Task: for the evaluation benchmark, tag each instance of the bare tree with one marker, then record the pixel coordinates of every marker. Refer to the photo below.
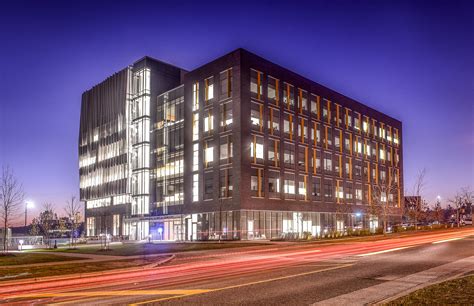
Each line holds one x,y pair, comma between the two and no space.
462,197
73,212
11,201
438,212
46,219
416,200
382,201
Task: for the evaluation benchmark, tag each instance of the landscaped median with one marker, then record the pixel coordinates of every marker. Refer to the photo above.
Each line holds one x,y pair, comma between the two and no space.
78,270
458,291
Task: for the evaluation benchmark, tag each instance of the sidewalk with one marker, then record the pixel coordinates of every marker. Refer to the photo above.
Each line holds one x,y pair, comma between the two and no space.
390,290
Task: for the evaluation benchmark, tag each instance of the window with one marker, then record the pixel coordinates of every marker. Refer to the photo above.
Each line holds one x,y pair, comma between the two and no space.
357,121
288,96
209,122
302,101
195,96
328,137
316,134
349,191
274,184
256,183
358,147
289,155
339,192
256,149
316,188
225,183
256,116
365,127
327,164
226,149
288,125
358,193
358,170
256,84
315,100
195,187
209,89
302,188
325,113
274,122
302,156
226,84
208,154
337,140
303,131
273,94
208,185
316,160
226,116
382,154
347,143
273,152
289,186
328,189
195,157
195,126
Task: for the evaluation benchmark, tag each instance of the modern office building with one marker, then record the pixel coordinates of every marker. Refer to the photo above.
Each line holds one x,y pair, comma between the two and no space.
239,148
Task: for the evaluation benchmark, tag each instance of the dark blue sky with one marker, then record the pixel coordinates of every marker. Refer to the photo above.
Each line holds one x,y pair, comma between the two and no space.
410,59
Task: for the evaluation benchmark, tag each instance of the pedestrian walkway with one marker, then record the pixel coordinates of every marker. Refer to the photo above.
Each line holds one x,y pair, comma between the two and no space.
393,289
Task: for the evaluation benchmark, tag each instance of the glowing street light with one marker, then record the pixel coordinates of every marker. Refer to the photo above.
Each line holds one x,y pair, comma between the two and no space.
28,204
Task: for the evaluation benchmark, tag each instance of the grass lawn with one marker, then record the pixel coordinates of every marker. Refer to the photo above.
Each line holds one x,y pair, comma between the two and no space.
130,249
458,291
13,259
15,273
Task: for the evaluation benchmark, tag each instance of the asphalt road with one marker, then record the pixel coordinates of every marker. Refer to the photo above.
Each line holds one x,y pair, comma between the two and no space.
290,274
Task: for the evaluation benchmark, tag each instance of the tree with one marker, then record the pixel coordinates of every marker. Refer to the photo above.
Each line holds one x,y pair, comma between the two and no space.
416,200
46,219
438,212
34,228
11,201
73,212
383,193
461,198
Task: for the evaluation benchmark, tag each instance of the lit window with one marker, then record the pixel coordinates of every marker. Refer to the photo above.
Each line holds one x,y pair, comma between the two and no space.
258,149
382,154
209,155
195,127
289,187
364,126
195,157
195,187
208,123
339,192
301,188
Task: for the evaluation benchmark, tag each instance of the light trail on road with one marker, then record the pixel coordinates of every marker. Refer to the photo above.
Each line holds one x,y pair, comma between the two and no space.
224,265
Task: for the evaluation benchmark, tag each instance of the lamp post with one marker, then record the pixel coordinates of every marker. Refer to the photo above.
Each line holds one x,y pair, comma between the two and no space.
28,204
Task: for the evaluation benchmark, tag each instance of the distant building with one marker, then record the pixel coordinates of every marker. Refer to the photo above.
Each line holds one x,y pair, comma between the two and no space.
239,148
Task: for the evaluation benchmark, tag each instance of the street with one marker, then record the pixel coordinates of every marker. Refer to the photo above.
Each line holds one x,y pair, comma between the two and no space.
301,273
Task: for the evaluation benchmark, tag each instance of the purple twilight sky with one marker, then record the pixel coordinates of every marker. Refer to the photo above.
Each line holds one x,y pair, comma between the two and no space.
410,59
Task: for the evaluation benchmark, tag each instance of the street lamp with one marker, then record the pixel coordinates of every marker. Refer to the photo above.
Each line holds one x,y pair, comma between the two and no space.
28,204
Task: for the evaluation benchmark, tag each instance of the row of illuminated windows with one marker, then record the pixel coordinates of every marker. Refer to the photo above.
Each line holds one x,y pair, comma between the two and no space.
325,110
225,152
273,148
315,188
226,119
332,138
292,127
104,175
225,88
310,161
